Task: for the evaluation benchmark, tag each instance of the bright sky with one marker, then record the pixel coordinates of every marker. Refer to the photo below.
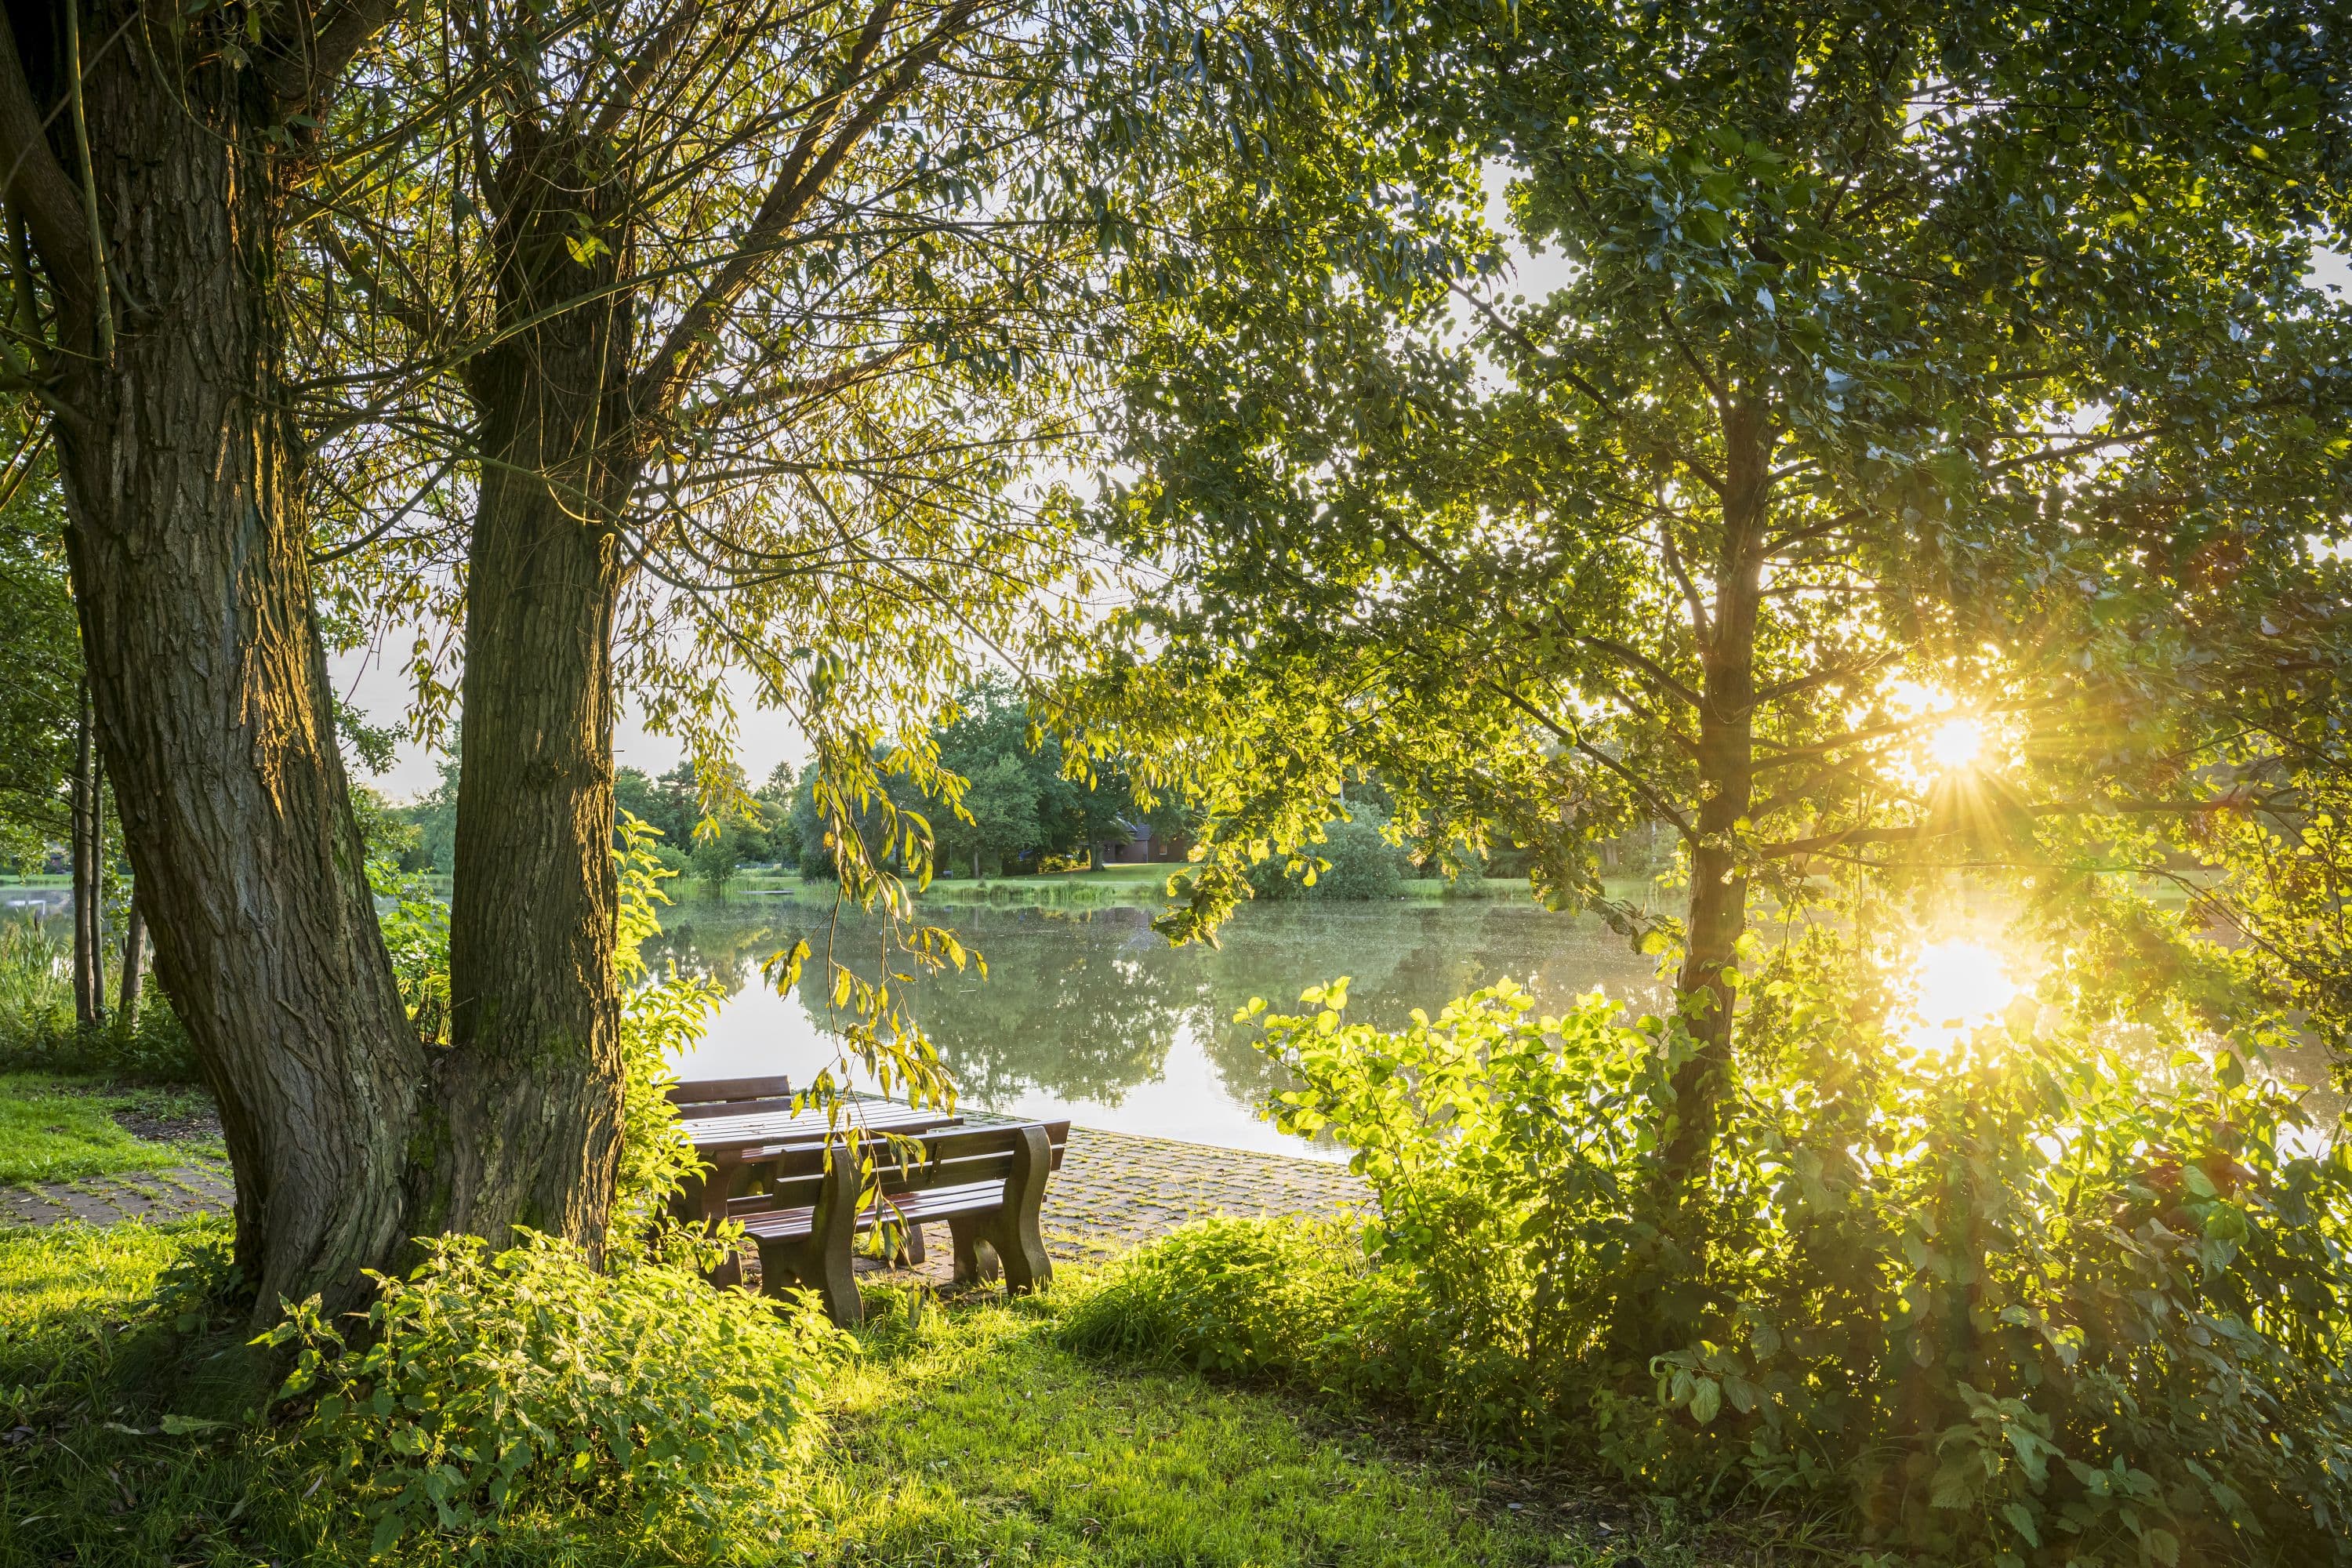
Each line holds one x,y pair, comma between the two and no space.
381,692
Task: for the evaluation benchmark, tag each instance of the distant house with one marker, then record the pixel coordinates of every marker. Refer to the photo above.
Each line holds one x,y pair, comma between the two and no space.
1141,846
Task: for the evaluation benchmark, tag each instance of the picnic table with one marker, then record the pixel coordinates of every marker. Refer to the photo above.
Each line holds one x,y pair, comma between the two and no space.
793,1179
738,1126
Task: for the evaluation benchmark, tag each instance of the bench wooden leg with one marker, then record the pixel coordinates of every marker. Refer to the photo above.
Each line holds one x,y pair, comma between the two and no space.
910,1247
822,1262
1019,1239
1011,1236
975,1257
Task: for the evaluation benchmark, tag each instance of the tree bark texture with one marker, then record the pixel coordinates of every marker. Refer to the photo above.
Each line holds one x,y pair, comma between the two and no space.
1727,775
530,1094
88,888
188,545
135,964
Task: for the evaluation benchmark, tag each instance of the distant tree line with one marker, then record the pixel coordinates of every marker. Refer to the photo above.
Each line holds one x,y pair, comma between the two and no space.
1026,815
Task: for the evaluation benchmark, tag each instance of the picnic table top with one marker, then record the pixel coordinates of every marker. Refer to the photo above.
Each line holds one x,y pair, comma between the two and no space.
778,1127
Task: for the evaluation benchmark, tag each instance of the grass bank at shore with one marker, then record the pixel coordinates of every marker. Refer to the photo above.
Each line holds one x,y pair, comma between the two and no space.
1141,887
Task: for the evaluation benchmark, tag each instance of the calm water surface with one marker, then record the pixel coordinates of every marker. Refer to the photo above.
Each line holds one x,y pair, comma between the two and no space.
1089,1014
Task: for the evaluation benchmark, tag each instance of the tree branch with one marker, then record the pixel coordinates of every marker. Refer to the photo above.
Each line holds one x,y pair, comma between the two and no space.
37,188
1657,802
1599,399
650,58
304,68
796,185
1643,664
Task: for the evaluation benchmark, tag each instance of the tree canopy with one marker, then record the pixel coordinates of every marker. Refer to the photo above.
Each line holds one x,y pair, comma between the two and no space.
1929,460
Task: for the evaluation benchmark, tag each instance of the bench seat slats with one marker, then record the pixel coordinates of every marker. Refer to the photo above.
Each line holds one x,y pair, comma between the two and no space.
974,1164
915,1208
701,1099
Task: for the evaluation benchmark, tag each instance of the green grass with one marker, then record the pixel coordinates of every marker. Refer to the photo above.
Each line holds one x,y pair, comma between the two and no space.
957,1436
972,1438
58,1128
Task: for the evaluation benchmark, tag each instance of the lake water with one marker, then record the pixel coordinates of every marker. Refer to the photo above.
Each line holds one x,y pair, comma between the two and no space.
1089,1014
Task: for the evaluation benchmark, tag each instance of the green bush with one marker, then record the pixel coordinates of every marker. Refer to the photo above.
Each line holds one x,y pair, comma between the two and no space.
661,1018
38,1030
1361,863
36,996
490,1383
2026,1301
1289,1299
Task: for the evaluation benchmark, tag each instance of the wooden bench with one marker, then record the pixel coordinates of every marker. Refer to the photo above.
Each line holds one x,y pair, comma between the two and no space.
987,1182
737,1125
703,1099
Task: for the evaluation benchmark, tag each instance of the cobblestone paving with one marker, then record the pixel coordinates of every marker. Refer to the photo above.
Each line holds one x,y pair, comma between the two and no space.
203,1188
1114,1191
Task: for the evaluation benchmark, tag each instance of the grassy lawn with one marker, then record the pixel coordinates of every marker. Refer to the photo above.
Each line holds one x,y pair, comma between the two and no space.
961,1436
972,1438
56,1128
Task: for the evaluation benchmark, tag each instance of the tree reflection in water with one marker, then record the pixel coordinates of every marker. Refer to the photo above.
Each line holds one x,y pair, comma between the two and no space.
1088,1007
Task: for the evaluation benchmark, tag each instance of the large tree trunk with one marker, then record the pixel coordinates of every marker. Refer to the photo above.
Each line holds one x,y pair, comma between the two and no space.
531,1091
1706,992
188,551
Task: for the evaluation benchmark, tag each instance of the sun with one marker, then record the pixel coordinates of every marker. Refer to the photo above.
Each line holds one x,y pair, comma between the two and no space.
1956,743
1962,986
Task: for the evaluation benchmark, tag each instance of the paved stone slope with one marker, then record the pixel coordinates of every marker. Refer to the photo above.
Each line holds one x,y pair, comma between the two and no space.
1114,1191
201,1188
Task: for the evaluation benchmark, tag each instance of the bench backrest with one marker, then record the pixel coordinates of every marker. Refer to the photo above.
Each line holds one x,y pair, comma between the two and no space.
730,1097
965,1157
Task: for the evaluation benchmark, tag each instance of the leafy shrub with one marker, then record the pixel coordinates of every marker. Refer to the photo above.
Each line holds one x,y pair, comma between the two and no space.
660,1019
1360,863
2028,1300
35,994
1290,1300
492,1383
416,936
38,1030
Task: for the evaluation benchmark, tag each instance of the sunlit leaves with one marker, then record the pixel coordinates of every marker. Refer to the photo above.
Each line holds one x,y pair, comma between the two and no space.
1946,346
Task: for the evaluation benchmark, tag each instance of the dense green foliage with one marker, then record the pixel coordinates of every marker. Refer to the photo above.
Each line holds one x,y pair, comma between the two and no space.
2028,1299
40,675
1887,368
493,1383
1017,807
